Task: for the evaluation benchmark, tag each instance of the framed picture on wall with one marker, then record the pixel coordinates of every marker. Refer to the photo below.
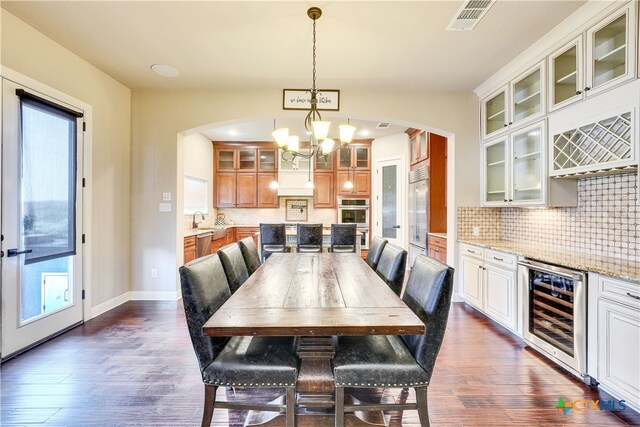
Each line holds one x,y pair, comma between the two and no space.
297,210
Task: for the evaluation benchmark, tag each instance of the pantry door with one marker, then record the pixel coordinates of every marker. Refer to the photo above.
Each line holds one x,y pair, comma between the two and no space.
41,217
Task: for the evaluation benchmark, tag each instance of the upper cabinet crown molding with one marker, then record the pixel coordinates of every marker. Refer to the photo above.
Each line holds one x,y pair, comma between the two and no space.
574,25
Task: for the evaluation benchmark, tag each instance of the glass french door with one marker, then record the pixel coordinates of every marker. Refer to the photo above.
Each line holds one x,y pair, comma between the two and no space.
41,218
391,223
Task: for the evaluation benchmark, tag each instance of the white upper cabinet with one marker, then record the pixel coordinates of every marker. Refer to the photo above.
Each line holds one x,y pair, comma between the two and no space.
528,96
495,117
565,75
527,165
611,50
496,173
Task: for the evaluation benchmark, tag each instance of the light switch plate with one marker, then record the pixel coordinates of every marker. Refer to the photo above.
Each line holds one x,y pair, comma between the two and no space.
166,197
164,207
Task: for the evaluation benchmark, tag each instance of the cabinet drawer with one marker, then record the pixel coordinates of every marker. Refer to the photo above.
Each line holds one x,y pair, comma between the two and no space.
437,242
618,290
508,261
470,250
189,242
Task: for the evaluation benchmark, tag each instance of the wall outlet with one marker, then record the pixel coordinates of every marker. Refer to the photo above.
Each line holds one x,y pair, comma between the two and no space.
166,197
476,231
154,273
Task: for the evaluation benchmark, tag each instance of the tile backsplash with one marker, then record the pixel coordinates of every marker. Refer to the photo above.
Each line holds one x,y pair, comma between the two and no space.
606,221
242,216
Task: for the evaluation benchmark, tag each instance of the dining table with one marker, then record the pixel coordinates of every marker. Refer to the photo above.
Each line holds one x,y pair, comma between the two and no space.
316,297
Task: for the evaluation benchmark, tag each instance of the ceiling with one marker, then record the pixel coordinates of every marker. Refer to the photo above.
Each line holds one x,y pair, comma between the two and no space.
256,45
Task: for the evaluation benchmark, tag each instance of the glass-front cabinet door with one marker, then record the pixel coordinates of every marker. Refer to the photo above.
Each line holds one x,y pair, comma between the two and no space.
267,159
226,159
247,159
495,172
495,113
527,165
527,96
361,157
609,49
344,158
565,71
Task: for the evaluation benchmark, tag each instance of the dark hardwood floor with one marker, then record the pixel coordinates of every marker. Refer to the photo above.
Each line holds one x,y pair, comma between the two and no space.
135,366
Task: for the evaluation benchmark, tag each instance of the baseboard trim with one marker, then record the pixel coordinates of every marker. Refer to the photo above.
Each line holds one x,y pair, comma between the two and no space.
110,304
154,296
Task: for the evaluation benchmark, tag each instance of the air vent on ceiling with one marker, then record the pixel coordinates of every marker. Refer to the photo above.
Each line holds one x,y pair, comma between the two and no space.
470,14
383,125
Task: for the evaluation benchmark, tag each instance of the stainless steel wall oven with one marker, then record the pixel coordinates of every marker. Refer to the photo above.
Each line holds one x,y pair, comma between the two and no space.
355,211
555,314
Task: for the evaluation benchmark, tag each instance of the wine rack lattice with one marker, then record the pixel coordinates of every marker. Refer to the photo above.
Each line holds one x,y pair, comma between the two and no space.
597,144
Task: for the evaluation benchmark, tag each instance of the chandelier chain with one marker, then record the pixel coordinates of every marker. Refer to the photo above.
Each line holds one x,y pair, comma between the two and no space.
313,88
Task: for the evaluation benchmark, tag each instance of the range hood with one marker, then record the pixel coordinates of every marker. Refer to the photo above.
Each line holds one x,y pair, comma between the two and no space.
294,184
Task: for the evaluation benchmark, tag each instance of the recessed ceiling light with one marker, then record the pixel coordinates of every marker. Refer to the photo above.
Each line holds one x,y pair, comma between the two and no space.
164,70
233,132
364,132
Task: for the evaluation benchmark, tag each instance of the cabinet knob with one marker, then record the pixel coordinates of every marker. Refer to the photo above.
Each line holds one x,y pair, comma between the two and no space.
510,123
511,200
586,89
506,200
578,92
505,125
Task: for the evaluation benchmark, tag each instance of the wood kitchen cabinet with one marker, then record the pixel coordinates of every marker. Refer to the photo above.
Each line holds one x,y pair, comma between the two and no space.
361,181
437,248
243,172
356,156
242,232
419,149
190,249
324,190
324,182
267,196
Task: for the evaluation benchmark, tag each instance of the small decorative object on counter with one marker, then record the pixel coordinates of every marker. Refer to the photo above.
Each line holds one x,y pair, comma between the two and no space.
220,219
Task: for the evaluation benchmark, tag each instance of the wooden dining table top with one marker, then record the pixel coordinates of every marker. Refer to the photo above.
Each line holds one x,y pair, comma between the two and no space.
314,295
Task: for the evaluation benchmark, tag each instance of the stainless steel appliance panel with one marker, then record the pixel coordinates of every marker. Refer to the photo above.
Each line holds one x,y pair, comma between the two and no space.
418,207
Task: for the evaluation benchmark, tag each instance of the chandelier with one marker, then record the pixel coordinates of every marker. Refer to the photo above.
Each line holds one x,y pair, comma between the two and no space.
321,145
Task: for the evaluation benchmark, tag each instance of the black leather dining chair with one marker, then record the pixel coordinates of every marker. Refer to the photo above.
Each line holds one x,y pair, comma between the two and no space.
234,266
343,238
236,361
391,267
273,239
250,254
375,250
309,238
399,361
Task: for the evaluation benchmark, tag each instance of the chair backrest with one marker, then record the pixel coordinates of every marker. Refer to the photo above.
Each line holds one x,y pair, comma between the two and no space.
343,235
309,235
375,250
273,234
428,294
234,266
391,266
250,254
204,290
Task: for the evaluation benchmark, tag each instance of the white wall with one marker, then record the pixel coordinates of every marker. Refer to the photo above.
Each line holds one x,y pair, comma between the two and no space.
159,116
34,55
390,147
198,163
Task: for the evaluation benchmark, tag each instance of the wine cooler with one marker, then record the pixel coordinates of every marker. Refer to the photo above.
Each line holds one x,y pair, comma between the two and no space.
555,320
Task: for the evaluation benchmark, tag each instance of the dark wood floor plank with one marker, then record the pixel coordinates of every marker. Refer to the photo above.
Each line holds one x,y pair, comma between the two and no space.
134,366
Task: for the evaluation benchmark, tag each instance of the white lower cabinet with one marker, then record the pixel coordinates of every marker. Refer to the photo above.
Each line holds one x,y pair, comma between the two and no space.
472,281
618,339
489,283
500,301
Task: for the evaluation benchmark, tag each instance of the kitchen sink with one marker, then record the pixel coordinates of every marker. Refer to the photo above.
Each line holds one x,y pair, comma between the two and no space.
219,233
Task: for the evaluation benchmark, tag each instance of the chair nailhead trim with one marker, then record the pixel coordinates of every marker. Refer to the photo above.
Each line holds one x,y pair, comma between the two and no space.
228,384
383,384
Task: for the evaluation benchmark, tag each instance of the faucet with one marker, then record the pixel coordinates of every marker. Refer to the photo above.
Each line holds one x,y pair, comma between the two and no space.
194,224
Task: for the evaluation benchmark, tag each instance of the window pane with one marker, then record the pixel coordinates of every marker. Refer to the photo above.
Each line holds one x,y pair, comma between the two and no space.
48,169
389,202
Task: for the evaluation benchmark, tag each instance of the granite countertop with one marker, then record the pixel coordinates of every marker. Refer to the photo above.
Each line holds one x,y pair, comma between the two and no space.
614,267
443,235
325,232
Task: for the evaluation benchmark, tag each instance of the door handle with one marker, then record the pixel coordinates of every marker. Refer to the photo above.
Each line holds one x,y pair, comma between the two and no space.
396,226
15,252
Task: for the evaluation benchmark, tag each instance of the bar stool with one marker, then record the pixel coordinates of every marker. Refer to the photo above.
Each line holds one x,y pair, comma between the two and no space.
309,238
273,239
343,238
